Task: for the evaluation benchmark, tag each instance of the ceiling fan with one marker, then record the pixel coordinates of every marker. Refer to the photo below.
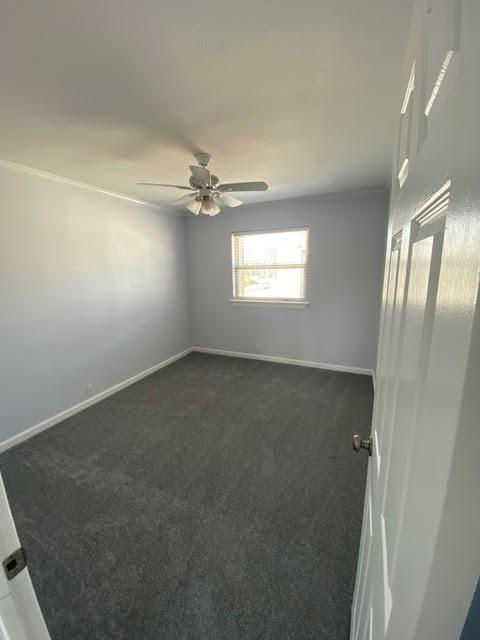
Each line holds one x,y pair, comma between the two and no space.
206,194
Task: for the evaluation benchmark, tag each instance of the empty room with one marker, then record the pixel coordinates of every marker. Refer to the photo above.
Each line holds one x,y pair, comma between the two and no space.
239,320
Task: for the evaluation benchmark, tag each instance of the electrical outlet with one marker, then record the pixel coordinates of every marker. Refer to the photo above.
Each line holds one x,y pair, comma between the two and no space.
258,348
89,390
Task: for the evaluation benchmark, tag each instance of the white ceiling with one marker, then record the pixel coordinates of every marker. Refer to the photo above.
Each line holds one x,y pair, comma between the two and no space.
300,93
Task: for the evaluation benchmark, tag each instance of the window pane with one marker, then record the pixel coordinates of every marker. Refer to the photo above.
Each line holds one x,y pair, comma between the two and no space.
281,247
271,283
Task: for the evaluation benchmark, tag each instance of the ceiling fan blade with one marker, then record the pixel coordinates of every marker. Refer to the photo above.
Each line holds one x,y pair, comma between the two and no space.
194,206
159,184
226,200
201,175
210,206
243,186
183,200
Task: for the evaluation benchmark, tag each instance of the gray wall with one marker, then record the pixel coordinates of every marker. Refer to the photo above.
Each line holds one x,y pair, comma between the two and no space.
340,326
93,290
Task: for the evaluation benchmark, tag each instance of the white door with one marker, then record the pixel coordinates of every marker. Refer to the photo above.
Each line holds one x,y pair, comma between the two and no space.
20,615
429,328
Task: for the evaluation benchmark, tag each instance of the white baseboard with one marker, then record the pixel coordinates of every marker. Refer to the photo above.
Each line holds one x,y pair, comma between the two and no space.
66,413
300,363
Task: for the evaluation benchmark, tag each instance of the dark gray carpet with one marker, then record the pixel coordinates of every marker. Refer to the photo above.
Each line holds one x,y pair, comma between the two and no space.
218,499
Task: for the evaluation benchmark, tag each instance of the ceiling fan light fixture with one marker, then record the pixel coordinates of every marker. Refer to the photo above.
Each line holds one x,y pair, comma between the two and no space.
194,206
210,207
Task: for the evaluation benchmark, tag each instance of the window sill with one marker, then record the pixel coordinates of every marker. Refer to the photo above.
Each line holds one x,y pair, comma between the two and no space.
282,304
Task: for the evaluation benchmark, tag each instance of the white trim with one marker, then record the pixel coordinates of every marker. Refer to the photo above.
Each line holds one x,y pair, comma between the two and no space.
271,302
39,173
331,195
263,231
281,360
66,413
248,267
29,432
166,208
245,267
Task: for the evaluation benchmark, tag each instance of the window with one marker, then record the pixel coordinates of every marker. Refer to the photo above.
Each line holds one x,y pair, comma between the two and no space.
270,265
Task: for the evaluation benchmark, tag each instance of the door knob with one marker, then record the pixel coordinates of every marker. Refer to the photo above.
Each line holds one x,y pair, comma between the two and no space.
359,443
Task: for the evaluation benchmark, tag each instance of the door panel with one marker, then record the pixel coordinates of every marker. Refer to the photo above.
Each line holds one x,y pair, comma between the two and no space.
426,254
410,307
442,41
384,369
429,306
360,608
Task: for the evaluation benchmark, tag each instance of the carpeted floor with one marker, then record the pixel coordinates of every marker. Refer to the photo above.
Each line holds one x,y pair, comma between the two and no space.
218,499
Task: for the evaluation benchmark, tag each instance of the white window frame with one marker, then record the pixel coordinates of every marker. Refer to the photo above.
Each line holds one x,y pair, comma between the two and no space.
283,302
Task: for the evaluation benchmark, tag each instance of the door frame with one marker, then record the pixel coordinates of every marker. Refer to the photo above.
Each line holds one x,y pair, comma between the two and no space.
20,615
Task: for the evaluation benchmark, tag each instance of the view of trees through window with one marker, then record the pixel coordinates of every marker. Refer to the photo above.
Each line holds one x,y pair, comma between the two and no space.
270,265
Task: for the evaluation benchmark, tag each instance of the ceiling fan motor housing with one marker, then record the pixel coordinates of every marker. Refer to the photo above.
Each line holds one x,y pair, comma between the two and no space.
203,158
213,181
